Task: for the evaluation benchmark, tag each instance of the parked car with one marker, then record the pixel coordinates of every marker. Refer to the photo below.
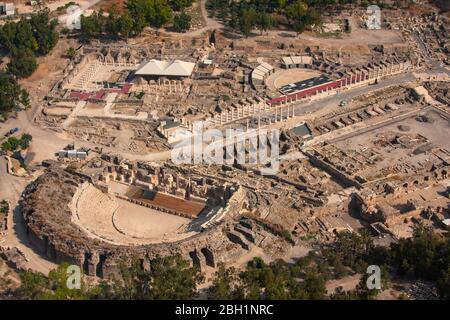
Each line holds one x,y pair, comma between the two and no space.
11,132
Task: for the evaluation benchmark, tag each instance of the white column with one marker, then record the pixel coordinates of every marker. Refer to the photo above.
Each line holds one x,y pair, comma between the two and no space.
276,113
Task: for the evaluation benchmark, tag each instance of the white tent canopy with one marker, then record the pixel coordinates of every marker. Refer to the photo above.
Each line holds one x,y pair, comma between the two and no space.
175,68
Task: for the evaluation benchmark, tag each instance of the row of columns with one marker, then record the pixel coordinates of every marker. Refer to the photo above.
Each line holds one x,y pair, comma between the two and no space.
120,63
369,74
240,112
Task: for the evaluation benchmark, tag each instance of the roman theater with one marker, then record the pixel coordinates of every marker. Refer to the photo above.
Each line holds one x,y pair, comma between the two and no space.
126,210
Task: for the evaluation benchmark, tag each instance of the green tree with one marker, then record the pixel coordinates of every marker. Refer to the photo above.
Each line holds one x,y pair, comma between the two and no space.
126,25
13,144
32,284
426,254
169,278
273,282
314,285
15,36
296,10
92,26
71,53
212,37
12,96
351,249
25,140
23,63
224,286
36,34
247,21
139,23
302,15
179,5
58,286
264,21
155,12
181,22
365,293
112,23
443,284
44,31
280,5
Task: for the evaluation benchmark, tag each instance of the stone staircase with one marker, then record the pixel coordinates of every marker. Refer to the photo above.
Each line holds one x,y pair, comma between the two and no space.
245,235
84,77
98,208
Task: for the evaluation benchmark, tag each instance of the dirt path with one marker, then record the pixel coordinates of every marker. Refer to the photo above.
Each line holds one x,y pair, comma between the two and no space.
84,4
347,283
10,189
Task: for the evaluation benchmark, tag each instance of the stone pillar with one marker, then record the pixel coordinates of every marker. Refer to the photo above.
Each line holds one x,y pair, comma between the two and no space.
92,264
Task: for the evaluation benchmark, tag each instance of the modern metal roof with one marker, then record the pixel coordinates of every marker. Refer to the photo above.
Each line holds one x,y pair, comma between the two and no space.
297,60
175,68
305,84
260,72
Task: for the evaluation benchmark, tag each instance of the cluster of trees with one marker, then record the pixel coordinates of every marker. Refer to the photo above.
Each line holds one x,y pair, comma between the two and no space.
278,280
298,15
12,96
36,286
114,25
4,206
181,22
169,278
137,15
249,18
247,15
180,5
157,13
27,38
426,255
13,143
302,15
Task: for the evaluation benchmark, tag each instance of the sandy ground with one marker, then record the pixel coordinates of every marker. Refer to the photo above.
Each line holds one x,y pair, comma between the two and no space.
347,283
9,278
296,252
106,5
118,221
146,223
24,7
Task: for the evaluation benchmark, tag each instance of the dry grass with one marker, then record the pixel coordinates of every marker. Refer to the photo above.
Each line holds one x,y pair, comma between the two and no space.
106,5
